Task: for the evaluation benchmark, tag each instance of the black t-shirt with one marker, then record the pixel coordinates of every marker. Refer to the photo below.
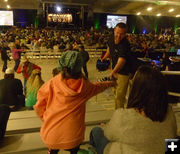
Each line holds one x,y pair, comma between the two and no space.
120,50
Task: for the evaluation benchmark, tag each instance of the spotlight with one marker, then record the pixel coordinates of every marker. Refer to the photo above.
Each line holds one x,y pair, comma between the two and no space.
138,13
149,8
58,9
159,14
5,0
171,10
8,6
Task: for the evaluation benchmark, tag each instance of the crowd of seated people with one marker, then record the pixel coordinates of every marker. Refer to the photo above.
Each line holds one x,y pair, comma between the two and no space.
56,40
46,39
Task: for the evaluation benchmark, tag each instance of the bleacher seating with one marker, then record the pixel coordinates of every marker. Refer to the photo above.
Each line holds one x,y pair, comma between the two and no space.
23,136
29,142
32,123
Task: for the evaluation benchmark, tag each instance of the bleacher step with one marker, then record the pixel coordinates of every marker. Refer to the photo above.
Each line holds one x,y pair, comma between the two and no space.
29,142
90,107
28,125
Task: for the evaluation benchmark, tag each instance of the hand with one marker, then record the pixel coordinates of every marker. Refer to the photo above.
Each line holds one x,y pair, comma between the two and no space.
114,83
113,76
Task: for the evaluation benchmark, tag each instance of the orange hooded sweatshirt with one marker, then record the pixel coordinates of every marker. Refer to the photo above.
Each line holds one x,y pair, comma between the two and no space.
61,106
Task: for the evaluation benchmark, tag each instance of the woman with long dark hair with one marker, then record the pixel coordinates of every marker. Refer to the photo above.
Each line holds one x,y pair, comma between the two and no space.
146,122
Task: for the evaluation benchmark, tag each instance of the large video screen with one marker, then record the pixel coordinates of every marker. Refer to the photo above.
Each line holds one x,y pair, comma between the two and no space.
65,18
113,20
6,18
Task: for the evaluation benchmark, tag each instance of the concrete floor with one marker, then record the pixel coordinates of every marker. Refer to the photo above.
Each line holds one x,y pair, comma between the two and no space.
106,99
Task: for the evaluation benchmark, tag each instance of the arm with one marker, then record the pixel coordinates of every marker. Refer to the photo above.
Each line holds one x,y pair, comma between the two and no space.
95,88
36,67
18,50
120,64
107,54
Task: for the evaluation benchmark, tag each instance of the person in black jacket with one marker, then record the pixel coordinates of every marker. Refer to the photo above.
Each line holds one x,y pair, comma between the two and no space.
85,56
11,91
4,55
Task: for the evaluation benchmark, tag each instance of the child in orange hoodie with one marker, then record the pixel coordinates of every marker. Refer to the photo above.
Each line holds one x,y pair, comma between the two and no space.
61,104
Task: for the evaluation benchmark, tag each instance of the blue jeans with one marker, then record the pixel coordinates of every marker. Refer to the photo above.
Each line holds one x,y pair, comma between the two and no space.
98,140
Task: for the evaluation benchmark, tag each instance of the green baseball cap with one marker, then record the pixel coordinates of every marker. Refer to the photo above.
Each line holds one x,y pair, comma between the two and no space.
72,60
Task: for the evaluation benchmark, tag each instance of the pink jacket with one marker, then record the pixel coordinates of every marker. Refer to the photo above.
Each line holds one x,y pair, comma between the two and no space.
61,106
15,53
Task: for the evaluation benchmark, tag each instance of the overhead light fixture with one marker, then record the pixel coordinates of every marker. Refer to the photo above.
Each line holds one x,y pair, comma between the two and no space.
149,8
138,13
178,15
159,14
58,8
5,0
171,10
8,6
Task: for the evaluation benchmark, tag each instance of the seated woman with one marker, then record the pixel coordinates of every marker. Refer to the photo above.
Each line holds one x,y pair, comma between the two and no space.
61,104
146,122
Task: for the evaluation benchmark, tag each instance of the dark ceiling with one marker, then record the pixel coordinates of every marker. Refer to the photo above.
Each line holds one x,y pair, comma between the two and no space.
106,6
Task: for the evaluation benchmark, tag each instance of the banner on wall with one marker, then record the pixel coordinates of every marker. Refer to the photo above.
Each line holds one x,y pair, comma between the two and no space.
62,18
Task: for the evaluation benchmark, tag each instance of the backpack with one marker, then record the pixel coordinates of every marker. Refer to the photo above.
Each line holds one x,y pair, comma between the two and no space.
102,66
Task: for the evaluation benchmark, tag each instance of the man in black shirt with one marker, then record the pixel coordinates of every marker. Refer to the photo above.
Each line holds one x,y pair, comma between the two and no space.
119,51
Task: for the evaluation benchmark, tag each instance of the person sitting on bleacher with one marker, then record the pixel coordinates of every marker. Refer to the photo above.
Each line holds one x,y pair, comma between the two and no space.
146,122
61,104
11,91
